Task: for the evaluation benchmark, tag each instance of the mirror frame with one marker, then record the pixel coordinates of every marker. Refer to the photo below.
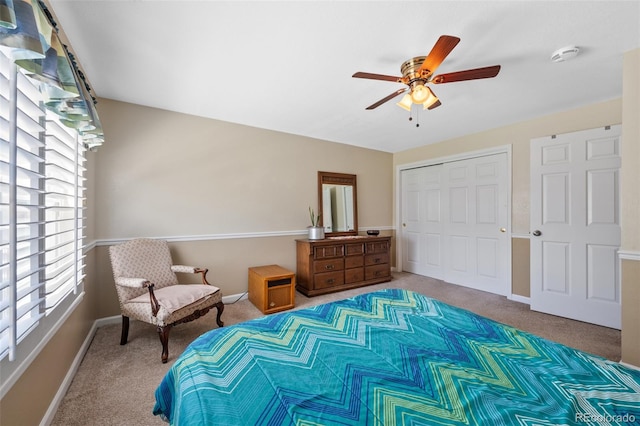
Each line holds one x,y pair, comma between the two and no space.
331,178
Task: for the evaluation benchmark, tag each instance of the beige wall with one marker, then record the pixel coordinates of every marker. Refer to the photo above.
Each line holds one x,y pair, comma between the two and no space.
227,196
630,208
630,312
174,175
630,175
520,267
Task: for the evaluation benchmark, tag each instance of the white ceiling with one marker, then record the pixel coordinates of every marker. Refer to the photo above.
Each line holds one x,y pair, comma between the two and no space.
287,66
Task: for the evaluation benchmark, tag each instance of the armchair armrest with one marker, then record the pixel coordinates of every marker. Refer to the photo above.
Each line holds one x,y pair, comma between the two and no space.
184,268
141,283
132,282
191,270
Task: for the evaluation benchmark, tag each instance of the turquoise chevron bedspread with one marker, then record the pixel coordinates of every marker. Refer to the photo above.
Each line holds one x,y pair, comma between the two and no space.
391,357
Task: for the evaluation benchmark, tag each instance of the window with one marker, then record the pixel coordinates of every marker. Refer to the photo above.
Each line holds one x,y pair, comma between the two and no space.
41,216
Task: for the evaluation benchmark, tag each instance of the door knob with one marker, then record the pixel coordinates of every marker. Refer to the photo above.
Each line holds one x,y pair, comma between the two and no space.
537,233
404,225
503,229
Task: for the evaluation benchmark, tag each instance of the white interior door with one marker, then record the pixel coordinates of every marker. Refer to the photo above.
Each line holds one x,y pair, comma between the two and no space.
575,226
422,221
455,222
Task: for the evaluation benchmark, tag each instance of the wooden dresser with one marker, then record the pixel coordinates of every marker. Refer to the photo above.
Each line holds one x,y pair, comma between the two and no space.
340,263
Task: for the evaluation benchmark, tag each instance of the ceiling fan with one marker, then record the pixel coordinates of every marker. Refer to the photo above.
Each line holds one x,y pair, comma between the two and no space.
418,72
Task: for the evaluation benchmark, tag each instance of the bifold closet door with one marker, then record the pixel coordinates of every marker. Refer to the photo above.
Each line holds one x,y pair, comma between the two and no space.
422,221
455,222
476,244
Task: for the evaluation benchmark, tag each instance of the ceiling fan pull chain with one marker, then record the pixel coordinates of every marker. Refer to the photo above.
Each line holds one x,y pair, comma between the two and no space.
417,117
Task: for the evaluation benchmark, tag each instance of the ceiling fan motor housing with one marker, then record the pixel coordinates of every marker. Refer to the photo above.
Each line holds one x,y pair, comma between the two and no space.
411,73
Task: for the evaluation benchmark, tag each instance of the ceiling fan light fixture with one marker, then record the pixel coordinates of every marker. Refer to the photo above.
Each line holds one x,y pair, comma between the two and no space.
419,93
431,99
406,102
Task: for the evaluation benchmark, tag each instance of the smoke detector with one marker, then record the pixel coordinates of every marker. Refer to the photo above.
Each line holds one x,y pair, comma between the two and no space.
565,53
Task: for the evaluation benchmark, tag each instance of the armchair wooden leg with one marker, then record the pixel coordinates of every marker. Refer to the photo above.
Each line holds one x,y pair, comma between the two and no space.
163,332
220,307
125,330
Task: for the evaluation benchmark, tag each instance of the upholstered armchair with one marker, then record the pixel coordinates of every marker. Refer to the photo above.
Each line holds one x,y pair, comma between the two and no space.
149,291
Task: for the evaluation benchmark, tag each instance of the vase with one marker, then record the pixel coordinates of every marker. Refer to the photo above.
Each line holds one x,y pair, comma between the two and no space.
316,232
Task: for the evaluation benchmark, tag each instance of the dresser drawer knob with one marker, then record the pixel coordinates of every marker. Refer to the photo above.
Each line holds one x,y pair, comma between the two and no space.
328,267
330,281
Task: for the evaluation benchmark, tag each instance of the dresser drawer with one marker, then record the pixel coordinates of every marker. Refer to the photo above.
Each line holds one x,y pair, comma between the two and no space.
353,262
353,275
325,252
328,279
328,265
376,259
376,271
354,248
377,247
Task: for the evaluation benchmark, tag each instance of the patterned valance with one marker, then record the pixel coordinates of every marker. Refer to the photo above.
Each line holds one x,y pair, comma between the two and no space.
29,36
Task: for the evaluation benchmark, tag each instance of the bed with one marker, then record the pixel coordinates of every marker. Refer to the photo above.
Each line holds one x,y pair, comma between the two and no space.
390,357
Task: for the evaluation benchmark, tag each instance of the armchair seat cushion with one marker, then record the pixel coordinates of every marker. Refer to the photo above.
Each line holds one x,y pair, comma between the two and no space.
178,296
175,302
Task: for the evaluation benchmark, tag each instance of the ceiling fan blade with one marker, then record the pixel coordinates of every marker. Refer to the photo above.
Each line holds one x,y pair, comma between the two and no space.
474,74
377,77
436,104
439,52
388,98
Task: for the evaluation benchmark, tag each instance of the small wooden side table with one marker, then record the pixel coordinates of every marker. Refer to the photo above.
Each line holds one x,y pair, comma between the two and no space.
272,288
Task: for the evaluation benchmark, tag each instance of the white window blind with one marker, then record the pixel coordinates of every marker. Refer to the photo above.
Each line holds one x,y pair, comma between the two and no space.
41,210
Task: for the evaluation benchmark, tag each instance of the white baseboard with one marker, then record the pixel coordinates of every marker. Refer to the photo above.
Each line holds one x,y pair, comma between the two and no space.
235,298
107,320
521,299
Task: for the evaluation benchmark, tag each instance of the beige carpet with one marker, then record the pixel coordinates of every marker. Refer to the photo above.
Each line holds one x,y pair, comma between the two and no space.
115,384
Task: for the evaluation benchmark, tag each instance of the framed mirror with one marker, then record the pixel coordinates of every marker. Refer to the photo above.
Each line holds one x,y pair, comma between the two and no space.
337,200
